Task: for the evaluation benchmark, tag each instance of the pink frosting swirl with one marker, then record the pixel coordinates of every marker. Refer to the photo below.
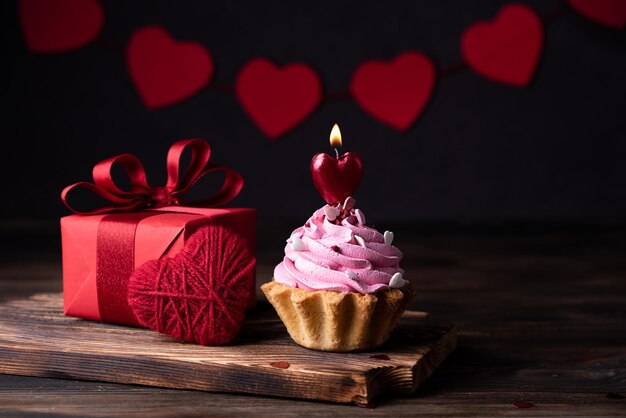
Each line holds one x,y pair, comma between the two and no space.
325,255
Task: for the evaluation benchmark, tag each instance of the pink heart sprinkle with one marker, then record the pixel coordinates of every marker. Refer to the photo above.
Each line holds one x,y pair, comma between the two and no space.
349,203
360,216
331,212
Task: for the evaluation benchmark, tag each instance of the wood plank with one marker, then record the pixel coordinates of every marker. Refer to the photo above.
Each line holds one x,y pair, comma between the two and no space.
26,396
541,314
36,339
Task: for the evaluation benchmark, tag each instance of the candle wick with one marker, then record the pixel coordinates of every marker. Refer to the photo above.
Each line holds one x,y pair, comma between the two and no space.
336,152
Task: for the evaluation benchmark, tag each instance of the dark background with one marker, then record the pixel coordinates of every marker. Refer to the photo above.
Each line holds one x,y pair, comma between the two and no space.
480,151
508,203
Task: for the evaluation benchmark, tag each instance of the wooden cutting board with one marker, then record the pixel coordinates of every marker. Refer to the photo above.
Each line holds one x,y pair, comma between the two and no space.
36,339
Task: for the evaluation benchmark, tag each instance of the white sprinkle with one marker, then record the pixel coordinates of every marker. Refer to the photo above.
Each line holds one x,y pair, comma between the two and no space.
349,203
360,241
297,244
331,212
351,275
388,236
360,216
396,281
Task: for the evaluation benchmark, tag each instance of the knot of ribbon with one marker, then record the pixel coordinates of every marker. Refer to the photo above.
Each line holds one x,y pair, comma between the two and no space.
141,195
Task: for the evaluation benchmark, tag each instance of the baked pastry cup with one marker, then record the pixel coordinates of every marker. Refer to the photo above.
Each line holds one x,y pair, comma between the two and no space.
340,322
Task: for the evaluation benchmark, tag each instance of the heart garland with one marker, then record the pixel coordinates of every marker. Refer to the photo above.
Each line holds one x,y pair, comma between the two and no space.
611,13
59,25
277,99
165,71
506,50
395,92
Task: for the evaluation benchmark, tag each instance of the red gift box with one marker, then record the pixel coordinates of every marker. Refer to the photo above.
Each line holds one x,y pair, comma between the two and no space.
103,247
157,233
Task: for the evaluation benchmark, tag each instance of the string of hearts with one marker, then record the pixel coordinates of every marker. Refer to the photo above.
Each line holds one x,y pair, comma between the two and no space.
166,71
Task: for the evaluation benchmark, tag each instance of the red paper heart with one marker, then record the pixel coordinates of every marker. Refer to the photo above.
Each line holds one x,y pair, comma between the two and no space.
336,178
201,294
506,50
59,25
611,13
395,92
165,71
277,99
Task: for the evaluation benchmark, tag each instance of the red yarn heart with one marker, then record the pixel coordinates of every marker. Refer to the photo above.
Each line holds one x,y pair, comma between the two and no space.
165,71
277,99
336,178
395,92
200,295
59,25
506,50
611,13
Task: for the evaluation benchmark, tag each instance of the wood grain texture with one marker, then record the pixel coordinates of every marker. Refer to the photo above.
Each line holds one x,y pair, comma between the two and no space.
540,308
36,339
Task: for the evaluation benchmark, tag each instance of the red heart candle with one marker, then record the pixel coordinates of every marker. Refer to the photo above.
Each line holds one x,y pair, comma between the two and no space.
336,177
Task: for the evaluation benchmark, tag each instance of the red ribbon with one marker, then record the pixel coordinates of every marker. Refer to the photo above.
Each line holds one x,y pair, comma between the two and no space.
115,262
142,196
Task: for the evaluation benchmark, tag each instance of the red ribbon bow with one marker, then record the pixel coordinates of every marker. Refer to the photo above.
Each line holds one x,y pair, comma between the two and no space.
141,195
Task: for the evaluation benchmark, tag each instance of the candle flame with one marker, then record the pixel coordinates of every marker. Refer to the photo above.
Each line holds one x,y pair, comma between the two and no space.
335,137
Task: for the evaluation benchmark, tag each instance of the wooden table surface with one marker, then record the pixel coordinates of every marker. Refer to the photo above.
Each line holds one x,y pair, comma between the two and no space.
541,313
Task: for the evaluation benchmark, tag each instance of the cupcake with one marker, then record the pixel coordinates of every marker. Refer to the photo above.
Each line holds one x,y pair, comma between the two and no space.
339,286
